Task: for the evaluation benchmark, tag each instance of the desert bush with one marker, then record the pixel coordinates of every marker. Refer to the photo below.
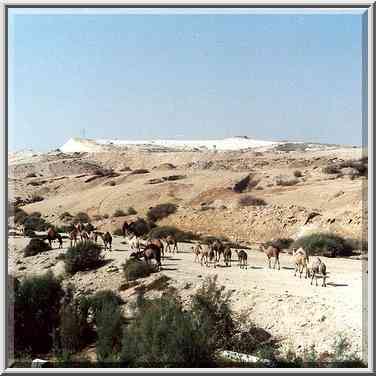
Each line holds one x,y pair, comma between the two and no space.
31,175
134,269
139,171
35,222
281,243
81,217
97,217
36,246
83,256
131,211
164,335
36,312
331,169
251,201
106,216
298,174
247,183
19,215
164,231
360,165
324,244
119,213
89,227
66,216
161,211
35,198
211,310
286,181
111,183
29,233
290,146
118,232
140,227
65,228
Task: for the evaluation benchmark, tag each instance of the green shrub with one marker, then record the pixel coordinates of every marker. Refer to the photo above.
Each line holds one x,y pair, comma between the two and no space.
119,213
298,174
35,222
140,227
19,215
36,312
83,256
247,183
139,171
286,181
251,201
164,335
81,217
118,232
102,299
131,211
324,244
331,169
66,216
164,231
211,309
109,333
282,243
134,269
161,211
36,246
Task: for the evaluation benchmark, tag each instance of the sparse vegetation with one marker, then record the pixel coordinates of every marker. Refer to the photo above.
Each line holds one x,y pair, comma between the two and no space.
36,246
290,146
181,236
139,171
118,232
83,256
134,269
81,217
251,201
281,243
245,184
325,244
66,217
36,312
119,213
298,174
140,227
161,211
131,211
286,181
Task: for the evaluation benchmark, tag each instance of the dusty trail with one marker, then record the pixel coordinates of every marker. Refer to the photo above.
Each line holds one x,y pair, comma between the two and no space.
288,307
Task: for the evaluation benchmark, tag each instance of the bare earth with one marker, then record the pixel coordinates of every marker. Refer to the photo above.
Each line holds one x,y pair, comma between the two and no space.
289,308
284,305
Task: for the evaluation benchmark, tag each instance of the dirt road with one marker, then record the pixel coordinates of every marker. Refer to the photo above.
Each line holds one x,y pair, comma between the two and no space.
286,306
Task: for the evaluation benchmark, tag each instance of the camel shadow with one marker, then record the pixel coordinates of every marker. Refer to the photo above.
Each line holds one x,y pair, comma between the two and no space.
256,267
168,269
337,284
172,259
287,268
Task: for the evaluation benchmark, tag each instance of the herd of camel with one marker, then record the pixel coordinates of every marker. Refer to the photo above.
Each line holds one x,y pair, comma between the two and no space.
206,254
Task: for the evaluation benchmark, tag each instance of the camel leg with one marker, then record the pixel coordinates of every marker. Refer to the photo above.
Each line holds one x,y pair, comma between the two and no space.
323,281
270,263
313,275
279,264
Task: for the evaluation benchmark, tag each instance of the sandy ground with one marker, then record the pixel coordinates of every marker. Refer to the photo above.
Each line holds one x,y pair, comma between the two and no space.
288,307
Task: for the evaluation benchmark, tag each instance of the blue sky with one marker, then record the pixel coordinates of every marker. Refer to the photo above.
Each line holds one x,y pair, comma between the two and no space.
193,76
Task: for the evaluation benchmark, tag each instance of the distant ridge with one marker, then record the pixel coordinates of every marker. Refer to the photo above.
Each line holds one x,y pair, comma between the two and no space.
233,143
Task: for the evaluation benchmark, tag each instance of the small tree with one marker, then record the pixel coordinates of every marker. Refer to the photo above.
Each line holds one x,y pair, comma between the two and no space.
81,217
161,211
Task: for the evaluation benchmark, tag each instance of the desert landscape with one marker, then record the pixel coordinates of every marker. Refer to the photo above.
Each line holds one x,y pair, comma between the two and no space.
242,191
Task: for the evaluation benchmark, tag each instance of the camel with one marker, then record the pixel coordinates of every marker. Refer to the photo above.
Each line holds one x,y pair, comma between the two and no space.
218,248
150,252
227,256
301,259
158,243
93,236
73,237
318,267
171,241
197,250
211,257
271,251
243,258
107,240
52,234
128,229
135,242
84,235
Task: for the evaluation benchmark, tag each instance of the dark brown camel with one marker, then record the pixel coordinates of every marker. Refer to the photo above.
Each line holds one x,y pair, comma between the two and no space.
171,241
158,243
218,248
52,234
271,251
107,240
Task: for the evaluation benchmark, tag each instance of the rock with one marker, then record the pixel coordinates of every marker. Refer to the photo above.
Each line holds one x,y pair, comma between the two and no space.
349,171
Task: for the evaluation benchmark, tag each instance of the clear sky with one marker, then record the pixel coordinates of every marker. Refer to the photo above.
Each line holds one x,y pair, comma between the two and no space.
183,76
